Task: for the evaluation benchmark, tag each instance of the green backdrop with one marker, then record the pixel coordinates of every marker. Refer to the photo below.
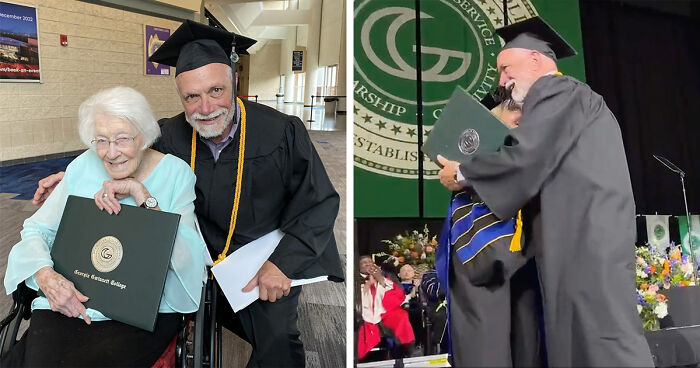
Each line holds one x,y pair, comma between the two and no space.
458,47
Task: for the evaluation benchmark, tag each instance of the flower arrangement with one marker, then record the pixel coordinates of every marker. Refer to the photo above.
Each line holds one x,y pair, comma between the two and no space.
655,271
651,306
414,248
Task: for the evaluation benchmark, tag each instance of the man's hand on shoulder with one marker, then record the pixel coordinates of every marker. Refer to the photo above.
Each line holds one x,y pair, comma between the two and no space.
46,186
272,283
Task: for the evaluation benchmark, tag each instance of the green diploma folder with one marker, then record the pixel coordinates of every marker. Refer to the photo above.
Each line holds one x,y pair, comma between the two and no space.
119,261
464,128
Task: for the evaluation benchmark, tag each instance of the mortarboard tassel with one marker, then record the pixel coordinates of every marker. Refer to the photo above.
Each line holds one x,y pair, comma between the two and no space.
234,55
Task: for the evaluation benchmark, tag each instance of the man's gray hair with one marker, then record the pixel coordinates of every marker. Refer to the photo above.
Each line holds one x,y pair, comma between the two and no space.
122,102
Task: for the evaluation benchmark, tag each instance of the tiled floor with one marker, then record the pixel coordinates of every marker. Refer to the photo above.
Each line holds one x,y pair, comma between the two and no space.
321,306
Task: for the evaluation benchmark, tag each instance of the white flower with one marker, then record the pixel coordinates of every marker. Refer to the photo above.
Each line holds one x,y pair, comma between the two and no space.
420,236
396,263
639,309
661,310
422,256
415,232
399,237
640,273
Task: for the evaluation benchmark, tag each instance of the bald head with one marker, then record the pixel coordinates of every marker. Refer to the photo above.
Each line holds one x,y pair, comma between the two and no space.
520,68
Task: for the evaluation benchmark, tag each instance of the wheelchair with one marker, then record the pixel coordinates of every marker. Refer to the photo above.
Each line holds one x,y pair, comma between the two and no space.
197,344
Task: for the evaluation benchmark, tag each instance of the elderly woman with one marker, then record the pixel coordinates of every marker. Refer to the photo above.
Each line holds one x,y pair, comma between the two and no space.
119,168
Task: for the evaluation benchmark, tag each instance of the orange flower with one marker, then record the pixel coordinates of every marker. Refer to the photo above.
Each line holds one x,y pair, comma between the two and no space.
652,269
661,297
667,268
395,253
684,283
401,259
643,286
414,254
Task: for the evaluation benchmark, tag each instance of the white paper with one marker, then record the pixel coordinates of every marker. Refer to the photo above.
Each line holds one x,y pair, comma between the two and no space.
234,272
421,361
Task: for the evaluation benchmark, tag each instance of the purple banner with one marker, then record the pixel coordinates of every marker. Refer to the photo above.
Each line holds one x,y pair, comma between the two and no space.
155,36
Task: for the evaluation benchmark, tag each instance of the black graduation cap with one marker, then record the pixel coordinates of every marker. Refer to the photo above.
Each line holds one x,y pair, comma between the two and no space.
194,45
535,34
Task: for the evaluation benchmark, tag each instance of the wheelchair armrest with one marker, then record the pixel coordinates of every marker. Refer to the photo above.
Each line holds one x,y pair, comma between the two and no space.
21,307
25,295
22,297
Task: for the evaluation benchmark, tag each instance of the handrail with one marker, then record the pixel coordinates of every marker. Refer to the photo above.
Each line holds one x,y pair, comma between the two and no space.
256,97
312,96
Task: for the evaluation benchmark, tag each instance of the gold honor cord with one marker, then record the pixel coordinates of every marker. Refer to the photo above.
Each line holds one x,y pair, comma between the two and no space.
515,241
239,178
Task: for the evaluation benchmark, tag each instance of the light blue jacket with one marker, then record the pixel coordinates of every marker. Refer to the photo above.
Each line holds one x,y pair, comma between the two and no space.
171,182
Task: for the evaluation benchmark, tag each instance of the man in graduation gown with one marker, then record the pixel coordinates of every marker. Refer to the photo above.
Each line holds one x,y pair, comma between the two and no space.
493,300
279,183
566,168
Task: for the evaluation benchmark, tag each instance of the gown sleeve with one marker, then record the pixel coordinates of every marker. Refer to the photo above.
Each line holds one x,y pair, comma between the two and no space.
183,283
551,122
33,251
308,218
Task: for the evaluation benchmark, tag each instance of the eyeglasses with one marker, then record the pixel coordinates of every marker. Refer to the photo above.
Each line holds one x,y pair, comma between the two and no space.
121,142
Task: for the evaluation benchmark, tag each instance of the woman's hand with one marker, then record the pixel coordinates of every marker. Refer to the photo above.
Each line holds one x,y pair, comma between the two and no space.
377,274
112,191
61,293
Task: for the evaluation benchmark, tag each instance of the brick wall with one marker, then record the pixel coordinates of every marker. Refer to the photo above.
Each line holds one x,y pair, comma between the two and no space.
105,49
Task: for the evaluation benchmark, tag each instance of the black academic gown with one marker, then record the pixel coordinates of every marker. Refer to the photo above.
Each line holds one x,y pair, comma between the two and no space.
494,314
567,163
285,186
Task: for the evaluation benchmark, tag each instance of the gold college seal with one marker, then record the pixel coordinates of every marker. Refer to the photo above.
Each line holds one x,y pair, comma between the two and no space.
107,254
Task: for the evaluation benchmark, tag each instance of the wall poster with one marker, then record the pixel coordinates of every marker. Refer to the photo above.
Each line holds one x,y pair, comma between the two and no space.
154,37
19,43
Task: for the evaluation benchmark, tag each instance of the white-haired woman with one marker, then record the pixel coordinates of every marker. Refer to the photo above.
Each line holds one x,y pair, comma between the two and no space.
119,168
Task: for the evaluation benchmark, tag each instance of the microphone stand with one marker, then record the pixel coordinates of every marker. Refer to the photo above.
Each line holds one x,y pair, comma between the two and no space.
664,161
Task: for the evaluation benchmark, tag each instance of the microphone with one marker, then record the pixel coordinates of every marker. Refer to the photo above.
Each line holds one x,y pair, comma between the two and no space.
664,161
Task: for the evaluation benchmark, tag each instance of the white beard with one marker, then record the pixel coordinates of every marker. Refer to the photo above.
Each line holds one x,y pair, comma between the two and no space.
210,131
518,91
